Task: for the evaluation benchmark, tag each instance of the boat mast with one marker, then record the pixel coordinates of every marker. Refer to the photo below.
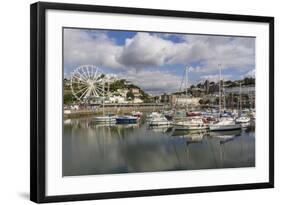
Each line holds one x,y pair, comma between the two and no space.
223,94
220,90
108,88
232,101
186,84
240,96
103,98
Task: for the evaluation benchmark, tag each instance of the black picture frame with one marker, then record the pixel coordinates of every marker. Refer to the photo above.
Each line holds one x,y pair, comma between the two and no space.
38,101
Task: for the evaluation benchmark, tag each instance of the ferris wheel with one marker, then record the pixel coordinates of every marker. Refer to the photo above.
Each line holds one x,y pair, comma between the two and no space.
87,83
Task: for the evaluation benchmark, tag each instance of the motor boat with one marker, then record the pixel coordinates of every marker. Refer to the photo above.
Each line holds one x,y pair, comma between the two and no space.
224,123
243,119
126,119
152,115
158,120
191,124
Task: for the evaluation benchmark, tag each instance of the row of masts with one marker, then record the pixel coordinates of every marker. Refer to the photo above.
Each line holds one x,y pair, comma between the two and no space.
221,91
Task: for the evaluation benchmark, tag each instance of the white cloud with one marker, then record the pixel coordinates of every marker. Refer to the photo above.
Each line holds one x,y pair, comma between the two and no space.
84,47
155,50
230,52
194,69
140,58
154,82
250,73
145,50
215,78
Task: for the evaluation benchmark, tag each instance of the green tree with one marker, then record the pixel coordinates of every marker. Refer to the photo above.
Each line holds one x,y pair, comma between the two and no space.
68,98
130,95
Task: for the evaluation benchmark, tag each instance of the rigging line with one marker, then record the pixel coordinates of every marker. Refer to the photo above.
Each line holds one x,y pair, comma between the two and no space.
183,76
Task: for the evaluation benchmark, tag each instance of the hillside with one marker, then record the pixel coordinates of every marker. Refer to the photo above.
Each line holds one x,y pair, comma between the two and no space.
114,87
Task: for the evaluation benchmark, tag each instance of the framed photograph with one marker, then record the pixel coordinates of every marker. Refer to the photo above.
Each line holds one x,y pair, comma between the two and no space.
129,102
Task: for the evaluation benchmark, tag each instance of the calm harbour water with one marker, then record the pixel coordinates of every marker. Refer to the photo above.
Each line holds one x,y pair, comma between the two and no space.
90,148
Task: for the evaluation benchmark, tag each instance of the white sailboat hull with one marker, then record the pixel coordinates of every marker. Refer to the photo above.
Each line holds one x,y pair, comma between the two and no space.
243,120
158,123
105,119
157,119
190,125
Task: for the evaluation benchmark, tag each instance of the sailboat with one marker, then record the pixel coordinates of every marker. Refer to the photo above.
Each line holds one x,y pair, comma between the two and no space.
223,123
110,118
243,119
158,119
105,119
190,123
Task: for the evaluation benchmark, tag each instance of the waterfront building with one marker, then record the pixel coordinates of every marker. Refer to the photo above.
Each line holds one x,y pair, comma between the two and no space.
165,98
183,100
135,91
122,92
117,99
137,100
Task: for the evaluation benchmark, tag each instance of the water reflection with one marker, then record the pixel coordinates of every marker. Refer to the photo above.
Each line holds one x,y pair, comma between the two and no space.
90,148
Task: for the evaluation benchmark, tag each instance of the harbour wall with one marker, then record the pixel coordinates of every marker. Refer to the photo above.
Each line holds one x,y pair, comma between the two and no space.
111,110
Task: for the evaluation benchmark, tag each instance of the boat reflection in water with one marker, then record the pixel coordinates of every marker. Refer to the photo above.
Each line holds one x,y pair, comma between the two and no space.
161,129
91,148
191,136
225,135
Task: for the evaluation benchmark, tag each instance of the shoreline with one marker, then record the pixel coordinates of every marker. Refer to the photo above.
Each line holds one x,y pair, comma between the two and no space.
107,110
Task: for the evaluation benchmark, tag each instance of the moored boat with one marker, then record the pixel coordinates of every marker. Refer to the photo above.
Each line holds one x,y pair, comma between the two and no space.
193,114
136,114
126,119
158,120
152,115
243,119
191,124
224,124
105,119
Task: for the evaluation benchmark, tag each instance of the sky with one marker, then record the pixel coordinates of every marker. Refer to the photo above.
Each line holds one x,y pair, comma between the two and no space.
156,61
